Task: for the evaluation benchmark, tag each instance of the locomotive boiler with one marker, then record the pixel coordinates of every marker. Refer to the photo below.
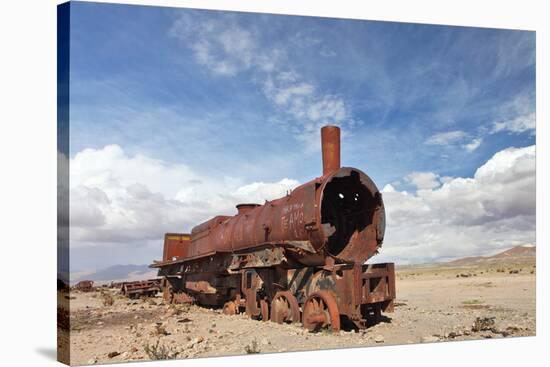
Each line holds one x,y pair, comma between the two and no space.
299,258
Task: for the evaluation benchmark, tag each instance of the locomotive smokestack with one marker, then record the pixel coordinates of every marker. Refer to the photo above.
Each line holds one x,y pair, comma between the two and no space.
330,145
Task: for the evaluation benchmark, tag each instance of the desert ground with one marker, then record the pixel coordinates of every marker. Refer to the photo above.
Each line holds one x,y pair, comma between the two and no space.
434,304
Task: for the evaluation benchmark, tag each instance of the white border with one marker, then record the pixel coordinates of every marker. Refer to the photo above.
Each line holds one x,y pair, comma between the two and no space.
28,183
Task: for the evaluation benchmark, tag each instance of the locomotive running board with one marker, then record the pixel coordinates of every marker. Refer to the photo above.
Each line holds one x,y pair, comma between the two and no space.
263,258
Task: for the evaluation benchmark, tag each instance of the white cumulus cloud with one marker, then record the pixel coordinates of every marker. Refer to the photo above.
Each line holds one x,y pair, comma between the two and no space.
121,198
493,210
423,180
456,137
517,125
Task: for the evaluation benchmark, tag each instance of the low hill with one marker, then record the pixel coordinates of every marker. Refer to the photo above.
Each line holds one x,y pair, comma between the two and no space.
518,254
118,273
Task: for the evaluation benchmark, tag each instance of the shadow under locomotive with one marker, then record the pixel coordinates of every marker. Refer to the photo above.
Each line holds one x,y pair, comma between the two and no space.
300,258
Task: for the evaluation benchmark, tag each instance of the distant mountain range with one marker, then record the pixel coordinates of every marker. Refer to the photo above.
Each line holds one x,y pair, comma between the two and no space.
518,254
117,273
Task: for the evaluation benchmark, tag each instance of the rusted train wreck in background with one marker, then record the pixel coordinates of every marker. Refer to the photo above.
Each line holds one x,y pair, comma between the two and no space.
85,286
140,288
300,258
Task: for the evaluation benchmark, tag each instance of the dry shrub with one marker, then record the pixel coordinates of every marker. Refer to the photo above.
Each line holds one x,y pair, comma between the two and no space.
160,330
252,348
483,324
108,299
160,351
178,309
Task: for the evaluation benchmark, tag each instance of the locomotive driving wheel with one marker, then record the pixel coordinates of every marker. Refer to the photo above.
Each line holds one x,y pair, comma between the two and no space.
285,308
321,310
230,308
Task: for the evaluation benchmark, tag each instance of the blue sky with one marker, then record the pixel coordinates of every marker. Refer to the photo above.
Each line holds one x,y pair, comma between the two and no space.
241,95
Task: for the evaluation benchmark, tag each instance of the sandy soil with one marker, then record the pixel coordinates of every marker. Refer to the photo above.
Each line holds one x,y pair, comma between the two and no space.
433,304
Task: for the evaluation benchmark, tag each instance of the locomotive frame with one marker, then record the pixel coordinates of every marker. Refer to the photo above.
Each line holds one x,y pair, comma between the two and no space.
300,258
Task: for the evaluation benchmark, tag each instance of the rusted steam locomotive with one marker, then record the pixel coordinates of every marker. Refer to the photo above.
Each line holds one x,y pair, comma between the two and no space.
298,258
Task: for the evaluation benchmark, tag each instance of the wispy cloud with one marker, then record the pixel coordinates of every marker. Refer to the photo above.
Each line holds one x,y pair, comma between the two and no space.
227,48
517,51
517,125
457,137
445,138
516,115
473,145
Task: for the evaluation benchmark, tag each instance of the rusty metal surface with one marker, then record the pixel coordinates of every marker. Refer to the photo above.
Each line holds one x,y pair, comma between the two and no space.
181,298
230,308
314,213
245,208
340,214
285,308
321,310
378,283
266,257
330,146
264,310
85,285
299,257
354,285
138,288
251,283
166,290
200,286
175,246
